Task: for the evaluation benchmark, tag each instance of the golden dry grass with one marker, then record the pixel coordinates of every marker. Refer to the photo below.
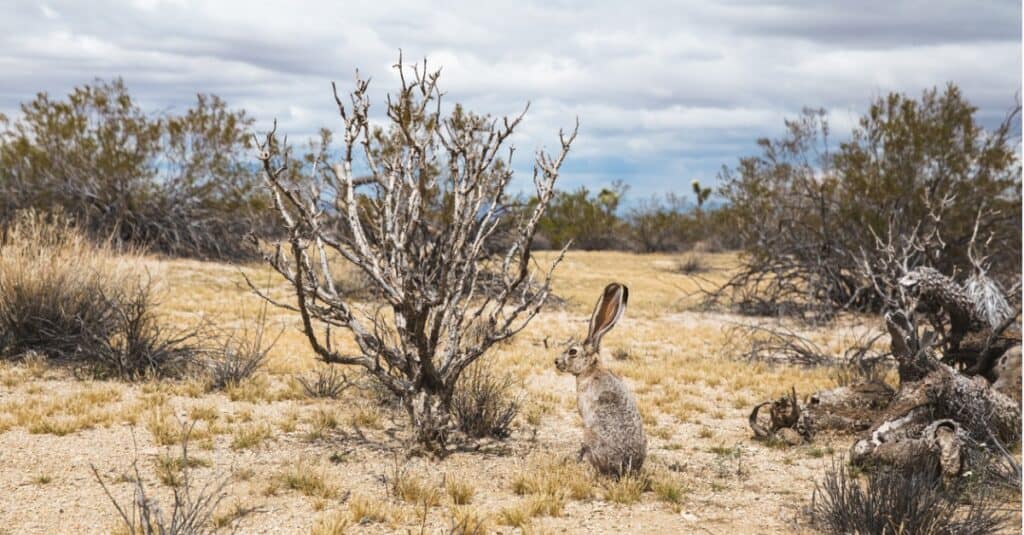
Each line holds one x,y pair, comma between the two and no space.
328,466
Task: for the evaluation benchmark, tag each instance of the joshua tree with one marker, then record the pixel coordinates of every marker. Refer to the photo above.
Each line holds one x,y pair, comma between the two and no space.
428,225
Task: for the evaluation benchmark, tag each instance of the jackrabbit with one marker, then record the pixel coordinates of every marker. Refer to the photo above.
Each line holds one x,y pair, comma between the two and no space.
613,433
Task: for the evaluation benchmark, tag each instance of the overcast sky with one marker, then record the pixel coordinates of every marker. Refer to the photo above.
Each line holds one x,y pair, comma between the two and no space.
666,92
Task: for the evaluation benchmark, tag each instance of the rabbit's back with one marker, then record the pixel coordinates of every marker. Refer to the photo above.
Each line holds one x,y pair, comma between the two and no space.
615,439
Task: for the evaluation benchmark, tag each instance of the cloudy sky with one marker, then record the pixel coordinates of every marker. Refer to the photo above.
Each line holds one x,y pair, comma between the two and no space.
666,92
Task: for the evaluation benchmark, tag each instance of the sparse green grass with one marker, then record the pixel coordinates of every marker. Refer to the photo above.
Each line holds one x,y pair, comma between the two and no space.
729,461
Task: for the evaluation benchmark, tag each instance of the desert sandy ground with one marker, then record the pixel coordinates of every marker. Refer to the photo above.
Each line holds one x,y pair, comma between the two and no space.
307,465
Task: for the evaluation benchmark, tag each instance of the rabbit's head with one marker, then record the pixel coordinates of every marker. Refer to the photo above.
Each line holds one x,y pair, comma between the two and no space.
581,356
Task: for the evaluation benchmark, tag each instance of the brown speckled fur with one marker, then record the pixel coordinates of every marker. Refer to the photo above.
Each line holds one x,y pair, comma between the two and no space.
1007,371
613,432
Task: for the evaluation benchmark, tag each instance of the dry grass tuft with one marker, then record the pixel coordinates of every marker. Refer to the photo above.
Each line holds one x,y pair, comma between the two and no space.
459,490
170,468
254,389
250,436
367,416
520,515
166,429
669,489
82,303
333,523
467,521
321,423
366,510
326,381
413,488
308,479
628,489
692,264
54,280
242,352
59,413
555,477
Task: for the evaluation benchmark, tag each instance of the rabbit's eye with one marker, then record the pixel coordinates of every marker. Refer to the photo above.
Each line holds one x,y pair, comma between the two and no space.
573,352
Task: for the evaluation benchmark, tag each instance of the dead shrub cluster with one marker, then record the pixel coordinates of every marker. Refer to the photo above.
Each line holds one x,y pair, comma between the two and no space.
193,509
241,353
83,304
325,382
485,402
895,501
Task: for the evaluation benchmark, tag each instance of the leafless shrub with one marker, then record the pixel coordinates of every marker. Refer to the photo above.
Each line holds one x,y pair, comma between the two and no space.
241,353
779,344
140,345
484,402
1002,469
192,508
325,382
419,225
358,286
53,281
895,502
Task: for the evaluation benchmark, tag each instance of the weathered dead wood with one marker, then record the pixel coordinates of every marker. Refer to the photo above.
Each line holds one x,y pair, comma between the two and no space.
852,407
847,408
957,349
786,421
941,440
937,411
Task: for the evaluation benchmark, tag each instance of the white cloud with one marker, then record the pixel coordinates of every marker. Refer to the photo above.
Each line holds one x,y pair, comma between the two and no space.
662,89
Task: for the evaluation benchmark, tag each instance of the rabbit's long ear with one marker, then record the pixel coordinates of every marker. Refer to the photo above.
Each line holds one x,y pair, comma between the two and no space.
609,309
